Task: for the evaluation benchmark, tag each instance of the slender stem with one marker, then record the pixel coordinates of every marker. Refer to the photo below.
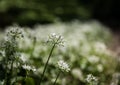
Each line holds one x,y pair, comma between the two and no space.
11,70
26,74
47,62
56,78
16,73
12,66
6,74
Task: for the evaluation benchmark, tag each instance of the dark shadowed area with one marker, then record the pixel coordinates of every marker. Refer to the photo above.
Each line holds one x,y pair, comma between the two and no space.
30,12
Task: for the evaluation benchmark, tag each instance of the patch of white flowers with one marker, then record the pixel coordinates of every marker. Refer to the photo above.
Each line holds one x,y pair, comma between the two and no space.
56,39
63,66
29,68
100,47
91,79
94,58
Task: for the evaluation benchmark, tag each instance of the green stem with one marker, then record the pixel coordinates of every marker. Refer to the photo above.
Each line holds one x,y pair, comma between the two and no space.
56,78
16,73
6,74
47,62
11,70
26,75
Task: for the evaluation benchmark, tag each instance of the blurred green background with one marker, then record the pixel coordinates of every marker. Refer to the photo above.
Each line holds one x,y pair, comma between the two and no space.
30,12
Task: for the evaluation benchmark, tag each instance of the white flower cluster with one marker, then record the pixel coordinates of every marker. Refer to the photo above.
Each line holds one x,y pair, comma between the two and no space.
100,47
90,78
29,68
63,66
93,59
1,82
56,39
15,32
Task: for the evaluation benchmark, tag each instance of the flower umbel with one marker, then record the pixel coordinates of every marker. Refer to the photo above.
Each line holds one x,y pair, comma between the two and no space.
56,39
15,32
91,79
63,66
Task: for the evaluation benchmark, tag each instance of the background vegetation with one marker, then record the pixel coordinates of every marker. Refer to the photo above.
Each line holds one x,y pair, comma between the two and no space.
86,51
29,12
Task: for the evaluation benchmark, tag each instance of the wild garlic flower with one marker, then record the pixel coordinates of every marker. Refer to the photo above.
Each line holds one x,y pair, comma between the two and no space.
14,32
56,39
90,78
10,44
29,68
63,66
